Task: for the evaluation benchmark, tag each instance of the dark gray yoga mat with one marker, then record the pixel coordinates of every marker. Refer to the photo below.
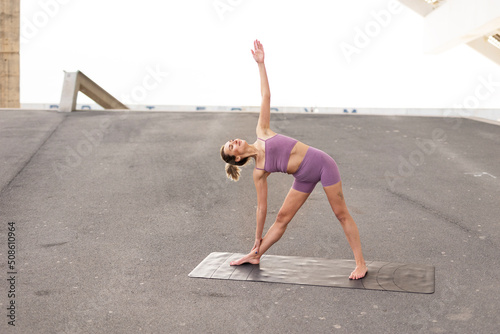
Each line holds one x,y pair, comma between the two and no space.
388,276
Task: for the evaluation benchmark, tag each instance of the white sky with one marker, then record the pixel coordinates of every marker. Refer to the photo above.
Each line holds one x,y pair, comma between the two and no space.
117,43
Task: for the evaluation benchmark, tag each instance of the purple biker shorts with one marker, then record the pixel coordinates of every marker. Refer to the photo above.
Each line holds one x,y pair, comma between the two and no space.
316,166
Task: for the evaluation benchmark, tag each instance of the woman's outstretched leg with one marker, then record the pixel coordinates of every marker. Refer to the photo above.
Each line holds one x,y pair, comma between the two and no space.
337,202
292,204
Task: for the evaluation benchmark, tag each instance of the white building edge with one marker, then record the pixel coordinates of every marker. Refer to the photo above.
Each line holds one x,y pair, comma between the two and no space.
450,23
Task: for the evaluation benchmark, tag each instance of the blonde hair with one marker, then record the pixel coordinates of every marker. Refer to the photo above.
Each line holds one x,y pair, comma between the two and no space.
233,170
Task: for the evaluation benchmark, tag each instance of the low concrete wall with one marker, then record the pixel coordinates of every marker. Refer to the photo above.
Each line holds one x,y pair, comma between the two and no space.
489,114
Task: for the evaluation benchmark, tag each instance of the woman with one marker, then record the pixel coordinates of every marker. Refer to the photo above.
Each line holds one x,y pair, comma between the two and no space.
277,153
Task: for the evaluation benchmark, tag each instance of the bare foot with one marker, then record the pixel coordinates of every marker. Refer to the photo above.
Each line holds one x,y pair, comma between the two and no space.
249,258
359,272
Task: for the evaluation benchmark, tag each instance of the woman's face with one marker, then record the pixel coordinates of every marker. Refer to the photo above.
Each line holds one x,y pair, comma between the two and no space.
235,147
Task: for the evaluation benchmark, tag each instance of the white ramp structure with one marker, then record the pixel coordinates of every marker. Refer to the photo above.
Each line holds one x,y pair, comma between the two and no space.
449,23
75,82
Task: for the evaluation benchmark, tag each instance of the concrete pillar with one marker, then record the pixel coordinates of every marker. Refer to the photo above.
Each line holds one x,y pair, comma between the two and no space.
9,53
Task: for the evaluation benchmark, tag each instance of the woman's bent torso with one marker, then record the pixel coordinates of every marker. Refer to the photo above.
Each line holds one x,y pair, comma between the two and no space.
296,157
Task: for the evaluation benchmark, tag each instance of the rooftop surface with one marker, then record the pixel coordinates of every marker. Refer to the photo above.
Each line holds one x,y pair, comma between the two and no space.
112,210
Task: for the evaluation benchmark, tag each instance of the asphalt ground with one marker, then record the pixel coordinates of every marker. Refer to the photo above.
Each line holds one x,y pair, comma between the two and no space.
112,210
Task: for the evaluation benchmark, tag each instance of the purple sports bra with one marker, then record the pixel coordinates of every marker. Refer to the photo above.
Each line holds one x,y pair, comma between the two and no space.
278,150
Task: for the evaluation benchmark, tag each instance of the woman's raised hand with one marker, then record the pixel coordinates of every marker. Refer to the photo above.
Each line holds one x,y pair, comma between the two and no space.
258,52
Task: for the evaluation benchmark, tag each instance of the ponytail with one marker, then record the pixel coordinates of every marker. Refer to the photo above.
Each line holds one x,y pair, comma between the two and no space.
232,170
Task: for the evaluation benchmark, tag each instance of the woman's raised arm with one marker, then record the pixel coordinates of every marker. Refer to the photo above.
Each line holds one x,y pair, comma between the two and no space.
265,107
